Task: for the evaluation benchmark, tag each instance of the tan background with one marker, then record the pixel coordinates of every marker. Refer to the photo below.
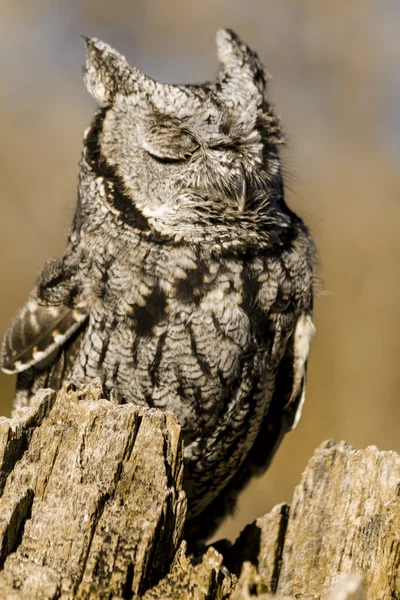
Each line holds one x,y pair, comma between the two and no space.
336,83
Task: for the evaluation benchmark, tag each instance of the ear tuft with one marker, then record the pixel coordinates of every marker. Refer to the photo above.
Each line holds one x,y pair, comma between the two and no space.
104,71
227,46
242,74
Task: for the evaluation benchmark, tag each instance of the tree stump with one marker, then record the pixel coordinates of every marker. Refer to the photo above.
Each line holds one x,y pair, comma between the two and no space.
92,507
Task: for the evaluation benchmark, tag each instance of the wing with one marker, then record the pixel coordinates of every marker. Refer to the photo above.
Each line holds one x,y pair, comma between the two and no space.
37,332
283,415
291,378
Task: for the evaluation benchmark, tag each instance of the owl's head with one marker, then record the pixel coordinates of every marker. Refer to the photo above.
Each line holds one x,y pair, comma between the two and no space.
186,159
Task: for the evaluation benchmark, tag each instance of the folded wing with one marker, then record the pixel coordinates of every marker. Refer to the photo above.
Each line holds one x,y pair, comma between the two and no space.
36,332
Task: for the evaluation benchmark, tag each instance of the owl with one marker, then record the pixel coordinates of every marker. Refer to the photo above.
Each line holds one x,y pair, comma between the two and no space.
187,282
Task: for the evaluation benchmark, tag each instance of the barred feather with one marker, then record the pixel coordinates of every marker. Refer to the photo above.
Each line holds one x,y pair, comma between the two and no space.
36,332
192,277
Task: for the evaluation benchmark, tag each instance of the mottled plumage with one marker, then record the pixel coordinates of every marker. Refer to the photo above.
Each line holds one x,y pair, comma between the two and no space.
187,282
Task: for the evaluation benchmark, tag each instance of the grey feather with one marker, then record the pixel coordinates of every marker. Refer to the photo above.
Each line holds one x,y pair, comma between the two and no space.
187,282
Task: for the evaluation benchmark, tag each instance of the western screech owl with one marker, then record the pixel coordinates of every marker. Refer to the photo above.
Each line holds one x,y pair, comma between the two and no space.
187,282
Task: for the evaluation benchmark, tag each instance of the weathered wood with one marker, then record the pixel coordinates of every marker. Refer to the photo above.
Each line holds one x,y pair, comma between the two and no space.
261,544
186,579
92,507
344,517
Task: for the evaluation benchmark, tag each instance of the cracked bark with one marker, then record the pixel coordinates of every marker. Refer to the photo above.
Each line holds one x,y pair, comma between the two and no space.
92,506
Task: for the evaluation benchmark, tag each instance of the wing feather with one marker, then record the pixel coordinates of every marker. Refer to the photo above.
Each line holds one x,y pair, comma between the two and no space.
297,356
36,332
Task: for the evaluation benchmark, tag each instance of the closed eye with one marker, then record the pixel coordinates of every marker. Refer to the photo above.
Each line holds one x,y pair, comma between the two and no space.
167,160
171,149
225,146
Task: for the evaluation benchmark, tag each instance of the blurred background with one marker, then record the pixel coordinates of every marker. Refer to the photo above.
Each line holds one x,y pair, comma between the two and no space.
336,84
